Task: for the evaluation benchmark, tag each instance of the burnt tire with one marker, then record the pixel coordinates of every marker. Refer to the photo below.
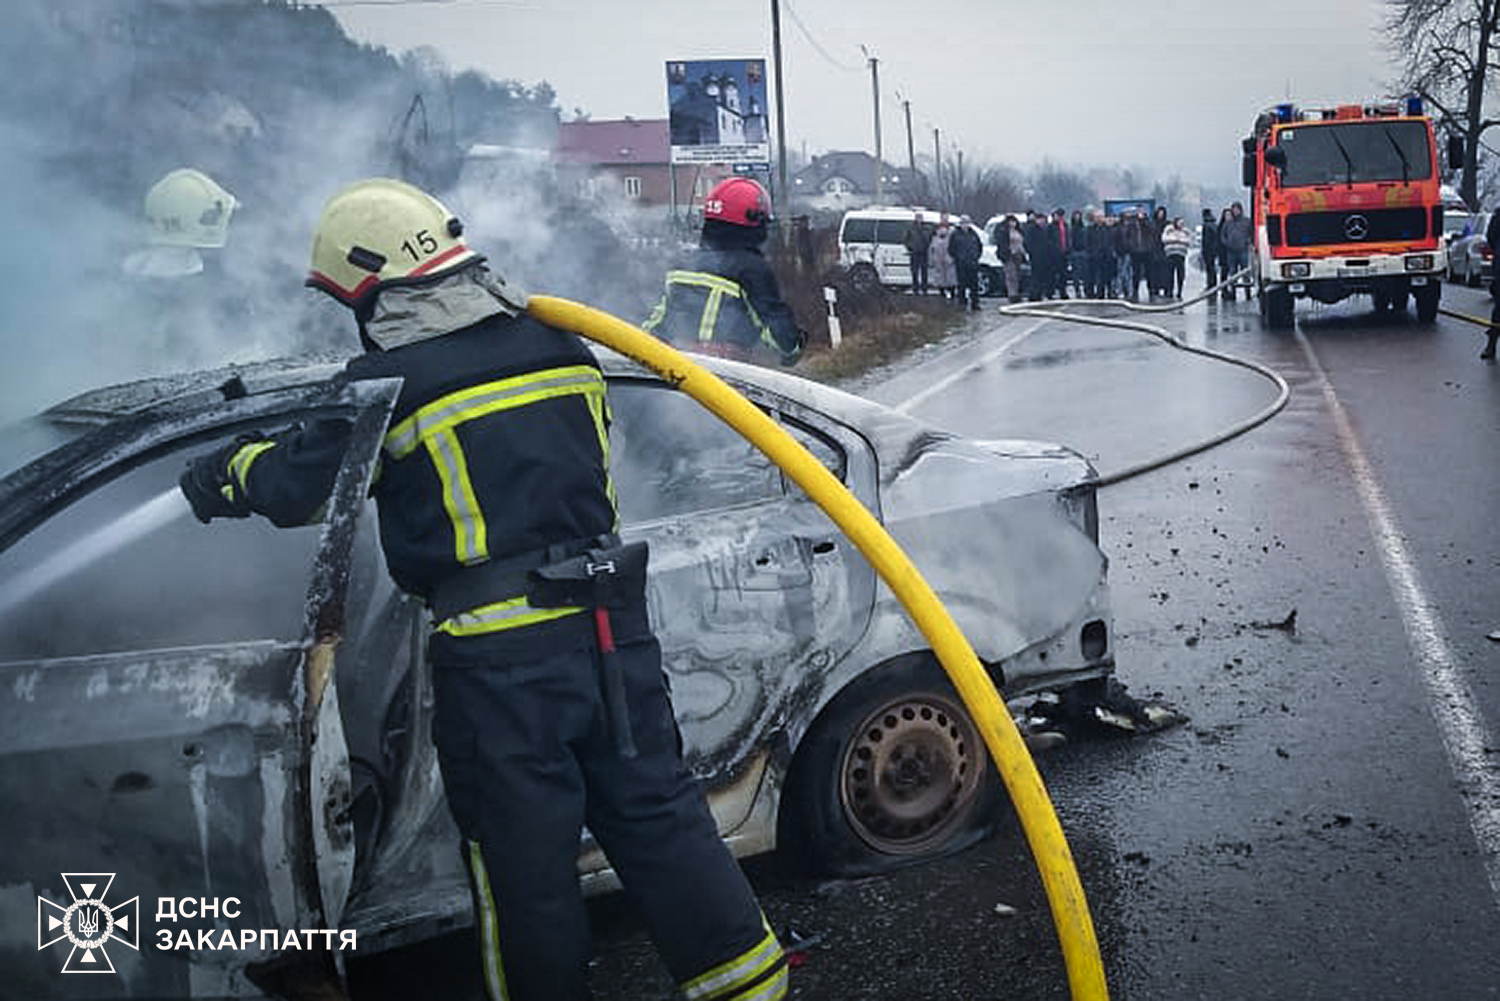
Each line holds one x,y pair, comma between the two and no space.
892,773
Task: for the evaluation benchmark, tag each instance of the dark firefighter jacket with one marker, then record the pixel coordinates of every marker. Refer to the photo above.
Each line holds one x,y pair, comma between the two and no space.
725,294
498,446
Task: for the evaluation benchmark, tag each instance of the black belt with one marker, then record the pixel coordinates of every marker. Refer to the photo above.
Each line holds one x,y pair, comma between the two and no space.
504,577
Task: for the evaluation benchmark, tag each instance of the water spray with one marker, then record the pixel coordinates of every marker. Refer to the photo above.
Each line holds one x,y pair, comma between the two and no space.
135,524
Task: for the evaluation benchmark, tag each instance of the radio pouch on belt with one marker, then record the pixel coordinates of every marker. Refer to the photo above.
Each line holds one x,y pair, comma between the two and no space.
608,577
600,579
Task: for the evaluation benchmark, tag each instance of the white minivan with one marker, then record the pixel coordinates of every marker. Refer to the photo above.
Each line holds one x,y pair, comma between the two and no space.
872,244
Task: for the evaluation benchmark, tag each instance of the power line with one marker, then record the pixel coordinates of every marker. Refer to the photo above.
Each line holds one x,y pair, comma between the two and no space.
426,3
818,46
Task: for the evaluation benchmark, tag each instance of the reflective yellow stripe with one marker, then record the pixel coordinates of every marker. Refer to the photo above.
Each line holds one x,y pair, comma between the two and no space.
470,536
603,418
710,318
773,989
242,460
489,927
449,411
435,425
706,280
718,287
512,613
726,980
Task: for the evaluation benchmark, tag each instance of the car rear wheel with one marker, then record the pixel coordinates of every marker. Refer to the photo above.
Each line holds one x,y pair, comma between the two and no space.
894,771
863,279
1471,276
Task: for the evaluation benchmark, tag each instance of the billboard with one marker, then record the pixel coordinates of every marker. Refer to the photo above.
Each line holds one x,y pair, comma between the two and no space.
717,111
1119,206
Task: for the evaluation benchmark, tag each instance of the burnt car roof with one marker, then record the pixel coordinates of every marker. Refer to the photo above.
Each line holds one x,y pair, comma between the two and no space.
108,403
899,439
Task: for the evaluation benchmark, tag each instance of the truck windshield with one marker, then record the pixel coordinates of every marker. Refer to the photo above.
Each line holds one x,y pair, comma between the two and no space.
1351,152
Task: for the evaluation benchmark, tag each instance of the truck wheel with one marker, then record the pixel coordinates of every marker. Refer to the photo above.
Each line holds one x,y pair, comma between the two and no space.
1279,307
1428,297
894,771
864,280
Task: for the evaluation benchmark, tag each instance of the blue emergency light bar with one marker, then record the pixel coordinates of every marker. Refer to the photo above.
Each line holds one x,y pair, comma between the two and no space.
1414,105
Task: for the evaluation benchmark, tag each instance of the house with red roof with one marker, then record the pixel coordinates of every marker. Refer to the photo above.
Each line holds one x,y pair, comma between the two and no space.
630,159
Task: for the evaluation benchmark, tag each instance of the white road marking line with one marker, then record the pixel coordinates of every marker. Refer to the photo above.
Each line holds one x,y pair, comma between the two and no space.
1460,723
943,383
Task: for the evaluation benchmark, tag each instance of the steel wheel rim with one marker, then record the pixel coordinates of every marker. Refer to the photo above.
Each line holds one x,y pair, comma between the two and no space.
909,773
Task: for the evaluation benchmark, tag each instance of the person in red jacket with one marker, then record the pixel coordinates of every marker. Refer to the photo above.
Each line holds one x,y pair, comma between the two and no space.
496,508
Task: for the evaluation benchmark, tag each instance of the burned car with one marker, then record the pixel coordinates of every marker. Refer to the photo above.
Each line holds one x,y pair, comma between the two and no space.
240,711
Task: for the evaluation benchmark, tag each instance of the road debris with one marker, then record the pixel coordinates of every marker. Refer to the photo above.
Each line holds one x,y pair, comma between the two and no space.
1052,719
1286,625
797,945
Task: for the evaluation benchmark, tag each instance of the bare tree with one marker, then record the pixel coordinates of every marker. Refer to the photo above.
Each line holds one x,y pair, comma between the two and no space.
1449,48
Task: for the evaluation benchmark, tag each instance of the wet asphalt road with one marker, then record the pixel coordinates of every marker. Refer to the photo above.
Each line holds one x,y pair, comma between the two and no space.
1305,834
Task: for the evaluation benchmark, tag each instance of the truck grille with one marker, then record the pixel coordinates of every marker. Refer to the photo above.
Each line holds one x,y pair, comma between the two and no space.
1308,229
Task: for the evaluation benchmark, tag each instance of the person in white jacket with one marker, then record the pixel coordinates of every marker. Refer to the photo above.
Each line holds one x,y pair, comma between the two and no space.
939,263
1175,243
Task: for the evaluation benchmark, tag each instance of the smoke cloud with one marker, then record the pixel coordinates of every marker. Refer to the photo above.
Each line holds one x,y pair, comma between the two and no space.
108,96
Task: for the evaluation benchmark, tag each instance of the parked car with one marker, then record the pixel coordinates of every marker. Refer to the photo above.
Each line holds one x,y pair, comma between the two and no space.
165,712
1470,256
1457,222
872,244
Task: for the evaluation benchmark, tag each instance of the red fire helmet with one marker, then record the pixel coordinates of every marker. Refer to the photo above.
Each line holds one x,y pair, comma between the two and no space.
738,201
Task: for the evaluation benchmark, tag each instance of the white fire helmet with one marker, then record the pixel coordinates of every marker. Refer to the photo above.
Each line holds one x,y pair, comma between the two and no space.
382,232
187,208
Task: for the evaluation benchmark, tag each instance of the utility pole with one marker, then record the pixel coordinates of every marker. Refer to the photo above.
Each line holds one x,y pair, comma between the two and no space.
879,161
911,152
937,162
783,194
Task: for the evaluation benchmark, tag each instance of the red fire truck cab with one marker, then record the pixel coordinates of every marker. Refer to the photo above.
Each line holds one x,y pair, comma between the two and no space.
1346,200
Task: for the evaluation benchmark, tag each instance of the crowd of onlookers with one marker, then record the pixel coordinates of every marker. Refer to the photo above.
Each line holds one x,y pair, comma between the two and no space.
1097,256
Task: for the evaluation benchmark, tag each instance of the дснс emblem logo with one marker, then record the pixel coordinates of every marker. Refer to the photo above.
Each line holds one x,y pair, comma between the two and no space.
88,924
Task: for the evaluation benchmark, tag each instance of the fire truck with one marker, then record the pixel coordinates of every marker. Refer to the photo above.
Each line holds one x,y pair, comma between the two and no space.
1346,200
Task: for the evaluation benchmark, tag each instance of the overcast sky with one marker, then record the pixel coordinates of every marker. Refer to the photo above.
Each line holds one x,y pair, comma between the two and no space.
1167,84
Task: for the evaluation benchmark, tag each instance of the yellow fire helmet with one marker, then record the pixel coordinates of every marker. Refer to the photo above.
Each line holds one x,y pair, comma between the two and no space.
382,232
187,208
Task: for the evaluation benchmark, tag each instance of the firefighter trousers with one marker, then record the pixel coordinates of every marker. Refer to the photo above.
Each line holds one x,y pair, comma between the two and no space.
528,758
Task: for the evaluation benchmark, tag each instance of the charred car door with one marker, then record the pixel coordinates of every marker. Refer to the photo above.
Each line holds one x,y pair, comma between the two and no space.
755,594
166,716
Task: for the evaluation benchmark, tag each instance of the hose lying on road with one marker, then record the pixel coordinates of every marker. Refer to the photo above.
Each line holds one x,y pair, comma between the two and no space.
1477,320
1070,912
1049,310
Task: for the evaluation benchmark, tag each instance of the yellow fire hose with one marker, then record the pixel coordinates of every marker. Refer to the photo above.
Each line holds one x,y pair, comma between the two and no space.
1070,912
1476,320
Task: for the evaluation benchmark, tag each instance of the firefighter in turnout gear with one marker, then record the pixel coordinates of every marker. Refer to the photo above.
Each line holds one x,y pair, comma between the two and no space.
496,507
724,299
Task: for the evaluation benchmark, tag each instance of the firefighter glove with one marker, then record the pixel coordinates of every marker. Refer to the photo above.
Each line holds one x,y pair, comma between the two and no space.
210,488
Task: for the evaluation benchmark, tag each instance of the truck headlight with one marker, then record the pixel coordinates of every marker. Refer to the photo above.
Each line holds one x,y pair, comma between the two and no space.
1296,269
1419,262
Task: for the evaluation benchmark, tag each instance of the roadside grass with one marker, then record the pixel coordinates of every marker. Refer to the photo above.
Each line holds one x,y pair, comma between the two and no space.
878,328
